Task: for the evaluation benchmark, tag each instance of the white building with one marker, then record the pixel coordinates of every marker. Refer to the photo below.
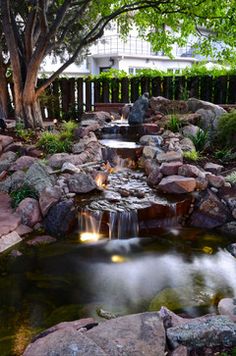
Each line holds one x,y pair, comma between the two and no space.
111,51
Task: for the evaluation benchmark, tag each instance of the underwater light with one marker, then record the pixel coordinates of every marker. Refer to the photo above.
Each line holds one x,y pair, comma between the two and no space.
89,237
118,259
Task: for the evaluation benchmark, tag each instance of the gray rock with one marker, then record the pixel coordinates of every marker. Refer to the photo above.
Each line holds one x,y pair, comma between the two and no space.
229,228
227,306
23,163
6,160
151,140
177,184
81,183
232,248
213,168
151,151
38,177
189,170
41,240
61,218
49,197
191,130
29,211
9,240
211,332
169,157
68,167
5,140
186,144
56,161
138,110
209,211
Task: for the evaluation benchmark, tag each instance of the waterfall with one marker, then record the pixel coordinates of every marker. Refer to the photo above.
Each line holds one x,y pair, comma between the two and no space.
121,225
89,224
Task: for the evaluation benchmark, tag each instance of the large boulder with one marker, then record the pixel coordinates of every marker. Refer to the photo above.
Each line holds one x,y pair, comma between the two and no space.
29,211
81,183
9,240
6,160
210,113
166,106
171,168
140,334
170,156
177,184
138,110
61,218
38,177
209,211
227,306
49,197
23,163
211,332
151,140
189,170
5,140
9,220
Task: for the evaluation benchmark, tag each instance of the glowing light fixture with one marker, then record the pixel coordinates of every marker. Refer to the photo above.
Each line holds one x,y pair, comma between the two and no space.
90,237
118,259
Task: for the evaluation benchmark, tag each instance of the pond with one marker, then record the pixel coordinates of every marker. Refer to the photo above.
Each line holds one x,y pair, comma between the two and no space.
187,270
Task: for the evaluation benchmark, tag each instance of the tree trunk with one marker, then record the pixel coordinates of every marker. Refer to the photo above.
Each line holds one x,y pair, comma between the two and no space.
3,91
27,108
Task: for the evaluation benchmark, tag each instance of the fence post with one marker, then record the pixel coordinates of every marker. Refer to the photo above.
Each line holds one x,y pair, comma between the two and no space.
156,86
206,91
231,90
125,90
220,90
88,93
115,84
134,83
80,98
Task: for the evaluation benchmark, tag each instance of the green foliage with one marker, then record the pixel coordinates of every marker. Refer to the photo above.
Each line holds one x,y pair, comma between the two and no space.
224,154
226,130
54,143
174,124
58,142
200,140
21,193
191,155
68,128
231,178
112,73
22,132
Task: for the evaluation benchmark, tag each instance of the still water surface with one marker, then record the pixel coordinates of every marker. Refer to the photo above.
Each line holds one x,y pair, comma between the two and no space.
186,270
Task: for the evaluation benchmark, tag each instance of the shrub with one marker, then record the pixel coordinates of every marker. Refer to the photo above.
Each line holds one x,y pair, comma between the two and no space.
174,124
226,129
191,155
68,128
22,132
225,154
21,193
54,143
231,178
200,139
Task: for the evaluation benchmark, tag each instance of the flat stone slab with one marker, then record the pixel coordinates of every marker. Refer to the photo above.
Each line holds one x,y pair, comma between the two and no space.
213,331
177,184
9,240
139,335
169,157
8,219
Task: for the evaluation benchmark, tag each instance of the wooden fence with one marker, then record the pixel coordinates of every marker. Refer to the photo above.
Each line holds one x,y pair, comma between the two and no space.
69,98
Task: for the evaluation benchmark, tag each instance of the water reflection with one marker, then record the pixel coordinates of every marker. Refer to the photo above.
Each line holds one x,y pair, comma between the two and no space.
184,270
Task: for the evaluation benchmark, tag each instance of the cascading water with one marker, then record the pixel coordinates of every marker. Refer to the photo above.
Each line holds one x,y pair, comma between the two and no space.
123,224
120,225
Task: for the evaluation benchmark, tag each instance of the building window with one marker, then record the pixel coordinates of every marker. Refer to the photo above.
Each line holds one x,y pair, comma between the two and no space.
104,69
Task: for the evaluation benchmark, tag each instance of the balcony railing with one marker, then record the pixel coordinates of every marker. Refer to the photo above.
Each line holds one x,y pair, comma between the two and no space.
133,45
